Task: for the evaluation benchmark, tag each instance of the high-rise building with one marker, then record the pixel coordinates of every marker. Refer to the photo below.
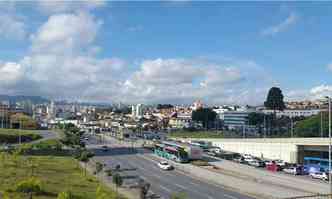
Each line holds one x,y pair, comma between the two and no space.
137,111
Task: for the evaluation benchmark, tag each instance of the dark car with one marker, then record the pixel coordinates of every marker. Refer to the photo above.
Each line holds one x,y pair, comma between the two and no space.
104,148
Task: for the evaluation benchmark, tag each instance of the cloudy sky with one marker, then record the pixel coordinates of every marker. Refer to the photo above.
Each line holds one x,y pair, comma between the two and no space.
165,52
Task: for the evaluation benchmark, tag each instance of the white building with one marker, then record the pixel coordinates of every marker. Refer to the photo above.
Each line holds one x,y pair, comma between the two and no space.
294,113
235,119
137,111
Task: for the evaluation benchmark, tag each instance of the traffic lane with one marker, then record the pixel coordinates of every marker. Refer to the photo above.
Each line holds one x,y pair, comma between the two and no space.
170,181
191,185
160,184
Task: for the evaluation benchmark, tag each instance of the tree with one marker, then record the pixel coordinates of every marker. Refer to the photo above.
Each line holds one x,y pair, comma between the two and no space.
29,186
85,157
204,115
275,100
117,180
256,119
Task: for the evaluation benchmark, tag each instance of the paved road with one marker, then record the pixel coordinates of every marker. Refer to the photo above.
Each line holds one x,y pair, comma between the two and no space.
163,183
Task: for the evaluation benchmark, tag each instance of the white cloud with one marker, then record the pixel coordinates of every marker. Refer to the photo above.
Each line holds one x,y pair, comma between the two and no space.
55,7
66,33
284,25
184,80
10,72
317,92
12,27
321,91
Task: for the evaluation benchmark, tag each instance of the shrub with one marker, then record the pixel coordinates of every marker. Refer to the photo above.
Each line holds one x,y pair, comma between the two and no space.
31,185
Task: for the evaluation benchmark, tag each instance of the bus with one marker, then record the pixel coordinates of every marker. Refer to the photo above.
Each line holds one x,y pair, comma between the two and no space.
171,152
314,164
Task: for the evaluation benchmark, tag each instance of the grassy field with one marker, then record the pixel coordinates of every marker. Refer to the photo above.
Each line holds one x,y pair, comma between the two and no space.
57,174
12,135
196,134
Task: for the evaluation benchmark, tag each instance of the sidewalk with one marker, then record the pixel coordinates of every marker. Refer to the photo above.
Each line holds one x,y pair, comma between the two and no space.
242,184
264,176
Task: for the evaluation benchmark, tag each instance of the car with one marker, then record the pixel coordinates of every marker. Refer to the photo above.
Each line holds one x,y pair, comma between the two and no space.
247,156
239,160
165,165
86,138
280,163
320,175
291,170
104,148
256,163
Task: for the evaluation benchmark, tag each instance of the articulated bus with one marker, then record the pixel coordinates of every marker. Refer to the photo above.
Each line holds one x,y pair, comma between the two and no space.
171,152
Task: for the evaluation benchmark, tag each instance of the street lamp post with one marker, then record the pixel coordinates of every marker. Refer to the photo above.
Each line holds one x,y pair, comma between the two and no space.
330,141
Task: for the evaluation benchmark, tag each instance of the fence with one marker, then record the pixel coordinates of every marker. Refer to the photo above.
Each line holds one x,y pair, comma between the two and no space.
316,196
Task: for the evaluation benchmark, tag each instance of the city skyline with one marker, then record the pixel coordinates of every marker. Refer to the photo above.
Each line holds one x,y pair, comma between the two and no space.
165,52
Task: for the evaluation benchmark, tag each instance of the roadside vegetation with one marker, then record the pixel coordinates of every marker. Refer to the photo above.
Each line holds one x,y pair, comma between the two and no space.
196,134
53,174
311,126
50,170
11,136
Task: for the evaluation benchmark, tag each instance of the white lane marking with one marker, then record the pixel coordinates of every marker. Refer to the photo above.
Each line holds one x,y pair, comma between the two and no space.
181,186
229,196
210,197
165,188
195,184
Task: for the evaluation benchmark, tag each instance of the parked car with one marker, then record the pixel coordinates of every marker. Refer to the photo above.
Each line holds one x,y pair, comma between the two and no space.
280,163
320,175
104,148
291,170
256,163
249,160
247,156
239,160
165,165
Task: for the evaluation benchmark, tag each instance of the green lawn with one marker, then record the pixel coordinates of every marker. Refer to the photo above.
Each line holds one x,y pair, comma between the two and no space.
56,173
12,135
196,134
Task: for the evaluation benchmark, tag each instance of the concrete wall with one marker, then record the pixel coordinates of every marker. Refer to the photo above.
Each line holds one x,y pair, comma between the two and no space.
287,149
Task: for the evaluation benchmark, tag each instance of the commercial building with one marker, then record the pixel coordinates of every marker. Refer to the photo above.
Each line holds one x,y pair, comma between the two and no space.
235,119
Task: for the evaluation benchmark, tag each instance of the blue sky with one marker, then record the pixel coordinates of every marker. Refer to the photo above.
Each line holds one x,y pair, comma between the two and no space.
151,52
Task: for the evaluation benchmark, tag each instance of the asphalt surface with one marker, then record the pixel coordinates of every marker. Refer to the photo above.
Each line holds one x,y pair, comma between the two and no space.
136,164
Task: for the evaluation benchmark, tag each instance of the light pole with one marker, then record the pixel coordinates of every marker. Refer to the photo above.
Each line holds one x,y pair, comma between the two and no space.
330,141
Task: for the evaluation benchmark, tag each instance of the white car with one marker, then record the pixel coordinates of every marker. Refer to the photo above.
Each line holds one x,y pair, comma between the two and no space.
280,163
165,166
319,175
247,156
291,170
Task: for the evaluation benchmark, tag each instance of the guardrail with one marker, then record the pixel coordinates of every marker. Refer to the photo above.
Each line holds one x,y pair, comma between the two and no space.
316,196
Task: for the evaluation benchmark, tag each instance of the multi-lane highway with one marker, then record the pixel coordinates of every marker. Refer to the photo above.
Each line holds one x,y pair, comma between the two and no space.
137,164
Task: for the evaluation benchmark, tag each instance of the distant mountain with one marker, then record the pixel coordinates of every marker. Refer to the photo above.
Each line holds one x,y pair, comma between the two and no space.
18,98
